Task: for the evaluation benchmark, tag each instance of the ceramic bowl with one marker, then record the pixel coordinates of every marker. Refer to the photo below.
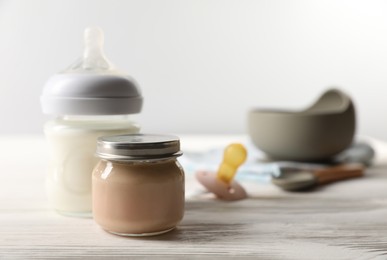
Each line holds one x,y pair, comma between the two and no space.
317,133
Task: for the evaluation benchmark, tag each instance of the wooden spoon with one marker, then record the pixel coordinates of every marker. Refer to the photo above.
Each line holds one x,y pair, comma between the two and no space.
293,180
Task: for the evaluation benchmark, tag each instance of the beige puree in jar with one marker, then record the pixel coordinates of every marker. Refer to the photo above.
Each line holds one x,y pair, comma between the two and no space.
138,185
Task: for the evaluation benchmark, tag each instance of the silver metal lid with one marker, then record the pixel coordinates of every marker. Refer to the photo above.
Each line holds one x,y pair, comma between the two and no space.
138,147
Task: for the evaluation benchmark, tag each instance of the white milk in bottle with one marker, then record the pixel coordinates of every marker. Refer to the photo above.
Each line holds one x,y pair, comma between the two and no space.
88,100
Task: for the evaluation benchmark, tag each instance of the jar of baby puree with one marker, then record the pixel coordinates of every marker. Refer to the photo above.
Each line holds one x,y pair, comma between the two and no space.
138,184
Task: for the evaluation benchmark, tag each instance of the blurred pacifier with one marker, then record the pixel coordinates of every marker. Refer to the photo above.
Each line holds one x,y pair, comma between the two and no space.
222,183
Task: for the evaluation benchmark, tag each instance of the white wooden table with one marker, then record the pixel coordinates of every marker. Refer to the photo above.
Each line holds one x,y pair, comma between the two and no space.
346,220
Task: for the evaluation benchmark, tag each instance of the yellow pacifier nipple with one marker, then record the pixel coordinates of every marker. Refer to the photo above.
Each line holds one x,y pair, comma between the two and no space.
222,183
234,155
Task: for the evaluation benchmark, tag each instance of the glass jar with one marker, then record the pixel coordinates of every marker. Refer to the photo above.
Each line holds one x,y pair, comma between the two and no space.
138,185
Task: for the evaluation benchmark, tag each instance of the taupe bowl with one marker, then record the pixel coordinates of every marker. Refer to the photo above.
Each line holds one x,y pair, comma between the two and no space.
317,133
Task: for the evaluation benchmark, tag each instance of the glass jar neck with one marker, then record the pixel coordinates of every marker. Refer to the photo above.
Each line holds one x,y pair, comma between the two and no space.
144,161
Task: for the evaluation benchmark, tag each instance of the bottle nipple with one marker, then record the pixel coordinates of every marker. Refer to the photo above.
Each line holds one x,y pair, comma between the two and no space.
93,58
234,155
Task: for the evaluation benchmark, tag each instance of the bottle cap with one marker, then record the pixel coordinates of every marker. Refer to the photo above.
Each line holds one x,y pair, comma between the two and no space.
91,86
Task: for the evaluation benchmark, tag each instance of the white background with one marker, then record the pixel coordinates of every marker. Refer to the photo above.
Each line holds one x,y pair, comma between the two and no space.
202,64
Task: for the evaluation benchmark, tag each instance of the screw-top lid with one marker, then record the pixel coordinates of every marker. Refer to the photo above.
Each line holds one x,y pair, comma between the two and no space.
91,86
135,147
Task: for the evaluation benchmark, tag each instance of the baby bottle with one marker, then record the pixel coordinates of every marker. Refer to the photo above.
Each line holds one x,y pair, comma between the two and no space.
88,100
